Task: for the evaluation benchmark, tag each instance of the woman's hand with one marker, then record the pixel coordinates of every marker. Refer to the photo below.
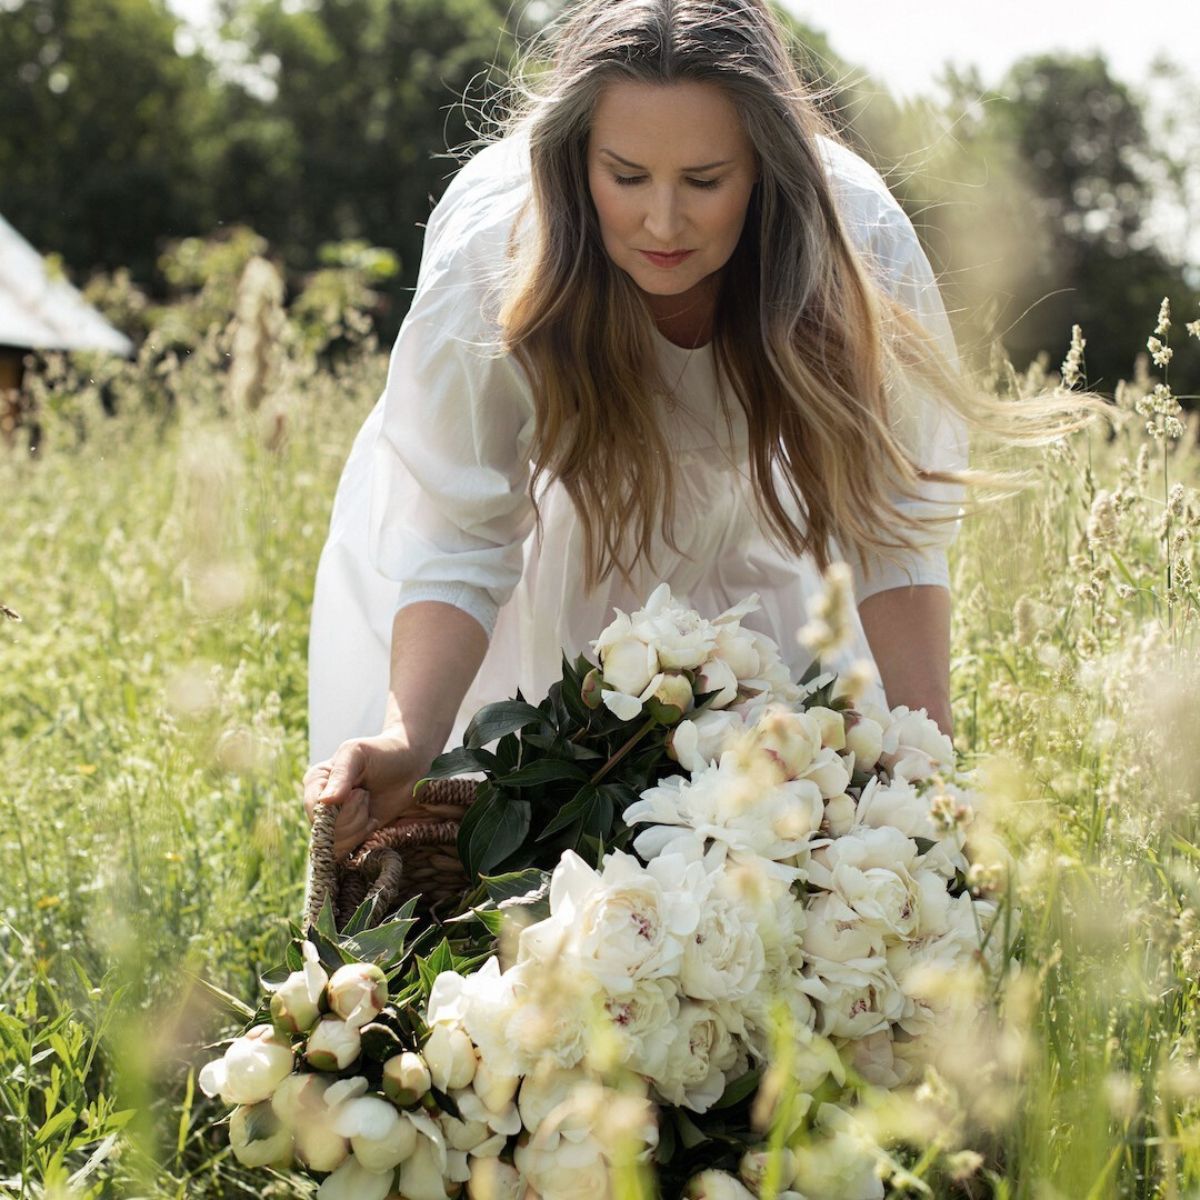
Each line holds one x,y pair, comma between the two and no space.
371,780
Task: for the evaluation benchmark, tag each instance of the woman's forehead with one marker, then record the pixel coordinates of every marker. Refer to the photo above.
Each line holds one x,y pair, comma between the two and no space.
682,125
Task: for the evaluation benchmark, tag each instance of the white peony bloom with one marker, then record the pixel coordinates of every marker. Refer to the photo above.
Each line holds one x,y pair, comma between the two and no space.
716,675
641,1023
839,934
450,1056
494,1089
353,1181
358,993
555,1013
872,1057
503,1120
781,744
406,1078
299,1103
729,805
544,1090
701,1051
724,958
628,665
333,1044
697,742
829,772
296,1003
863,848
567,1170
914,747
853,1001
839,1162
864,738
492,1179
716,1185
738,649
625,923
897,804
833,726
756,1166
251,1069
258,1138
679,637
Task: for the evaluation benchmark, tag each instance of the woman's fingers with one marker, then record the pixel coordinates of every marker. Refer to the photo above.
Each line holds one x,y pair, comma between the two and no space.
354,823
345,773
315,779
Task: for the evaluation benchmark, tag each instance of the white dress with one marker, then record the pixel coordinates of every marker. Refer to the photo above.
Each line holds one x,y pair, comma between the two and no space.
433,504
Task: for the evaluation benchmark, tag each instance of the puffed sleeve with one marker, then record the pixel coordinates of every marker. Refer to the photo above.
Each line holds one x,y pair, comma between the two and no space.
450,509
934,435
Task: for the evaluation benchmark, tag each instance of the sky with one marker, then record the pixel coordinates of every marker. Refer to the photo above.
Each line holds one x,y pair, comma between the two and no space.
905,45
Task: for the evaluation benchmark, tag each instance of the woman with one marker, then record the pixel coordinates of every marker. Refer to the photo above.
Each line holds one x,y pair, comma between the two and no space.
667,329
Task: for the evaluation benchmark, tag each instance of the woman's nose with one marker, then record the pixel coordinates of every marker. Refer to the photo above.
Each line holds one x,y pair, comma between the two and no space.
664,218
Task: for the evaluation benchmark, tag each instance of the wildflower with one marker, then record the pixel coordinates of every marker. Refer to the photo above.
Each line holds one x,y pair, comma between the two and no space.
1102,521
829,624
1072,365
1160,353
1164,316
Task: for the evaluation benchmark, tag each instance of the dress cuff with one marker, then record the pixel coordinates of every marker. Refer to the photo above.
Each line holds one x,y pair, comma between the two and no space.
472,600
904,571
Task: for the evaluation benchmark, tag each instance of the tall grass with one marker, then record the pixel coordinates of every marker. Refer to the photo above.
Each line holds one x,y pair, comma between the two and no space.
152,738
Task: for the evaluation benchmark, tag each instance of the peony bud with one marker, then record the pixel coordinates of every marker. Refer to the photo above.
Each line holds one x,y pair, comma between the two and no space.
258,1138
492,1179
833,726
670,698
753,1168
421,1176
716,1185
354,1180
590,691
451,1058
495,1090
865,737
716,675
358,993
839,815
294,1008
380,1137
300,1104
333,1044
251,1069
406,1078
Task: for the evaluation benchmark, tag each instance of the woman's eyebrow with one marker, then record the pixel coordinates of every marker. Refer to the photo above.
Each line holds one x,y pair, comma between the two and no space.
638,167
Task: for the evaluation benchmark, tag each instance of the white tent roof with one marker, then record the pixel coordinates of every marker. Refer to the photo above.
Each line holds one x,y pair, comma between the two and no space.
42,313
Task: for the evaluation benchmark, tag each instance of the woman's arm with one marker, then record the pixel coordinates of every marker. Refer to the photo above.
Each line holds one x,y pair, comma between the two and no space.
908,629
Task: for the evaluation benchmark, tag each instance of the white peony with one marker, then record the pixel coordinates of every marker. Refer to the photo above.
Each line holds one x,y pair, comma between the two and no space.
716,1185
296,1003
625,923
423,1175
840,813
873,1058
358,993
258,1138
544,1090
333,1044
492,1179
628,664
299,1102
853,1000
253,1066
837,933
566,1170
839,1162
353,1181
731,806
701,1051
914,747
450,1055
697,742
724,958
380,1137
406,1078
864,739
717,676
555,1012
640,1026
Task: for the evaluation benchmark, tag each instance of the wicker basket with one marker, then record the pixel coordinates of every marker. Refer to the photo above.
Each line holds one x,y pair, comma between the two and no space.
414,856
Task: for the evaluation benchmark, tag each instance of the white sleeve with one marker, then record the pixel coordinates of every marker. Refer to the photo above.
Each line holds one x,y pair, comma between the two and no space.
450,508
933,434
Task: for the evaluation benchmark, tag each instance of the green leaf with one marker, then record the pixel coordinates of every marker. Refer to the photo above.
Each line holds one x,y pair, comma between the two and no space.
460,761
689,1134
542,771
490,831
495,720
924,845
63,1119
739,1089
441,959
515,884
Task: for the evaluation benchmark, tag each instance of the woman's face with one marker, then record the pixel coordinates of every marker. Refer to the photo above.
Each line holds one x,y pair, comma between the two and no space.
670,170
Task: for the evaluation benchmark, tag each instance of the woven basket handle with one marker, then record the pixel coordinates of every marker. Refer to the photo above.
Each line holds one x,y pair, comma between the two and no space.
322,863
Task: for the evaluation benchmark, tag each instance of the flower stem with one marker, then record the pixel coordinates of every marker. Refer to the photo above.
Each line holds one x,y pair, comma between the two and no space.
624,750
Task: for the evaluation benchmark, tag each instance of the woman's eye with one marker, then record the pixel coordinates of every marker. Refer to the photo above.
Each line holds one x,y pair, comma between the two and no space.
626,180
704,183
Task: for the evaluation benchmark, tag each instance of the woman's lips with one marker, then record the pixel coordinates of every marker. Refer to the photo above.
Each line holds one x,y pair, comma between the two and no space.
667,261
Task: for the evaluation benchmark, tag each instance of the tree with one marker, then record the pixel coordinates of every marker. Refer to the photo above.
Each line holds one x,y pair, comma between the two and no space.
102,123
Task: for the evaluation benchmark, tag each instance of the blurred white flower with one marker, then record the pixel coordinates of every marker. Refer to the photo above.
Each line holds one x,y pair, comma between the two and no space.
358,993
253,1066
258,1138
913,745
353,1181
450,1055
299,1103
716,1185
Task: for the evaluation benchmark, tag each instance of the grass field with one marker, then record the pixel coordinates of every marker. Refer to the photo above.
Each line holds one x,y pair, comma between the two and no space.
152,739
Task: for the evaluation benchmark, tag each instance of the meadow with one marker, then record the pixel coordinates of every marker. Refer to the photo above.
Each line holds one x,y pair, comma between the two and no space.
152,741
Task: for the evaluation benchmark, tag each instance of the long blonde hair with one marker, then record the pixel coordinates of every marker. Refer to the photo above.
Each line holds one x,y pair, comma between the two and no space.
811,344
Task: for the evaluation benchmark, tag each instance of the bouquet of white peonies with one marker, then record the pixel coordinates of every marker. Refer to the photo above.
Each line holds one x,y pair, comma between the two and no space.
707,906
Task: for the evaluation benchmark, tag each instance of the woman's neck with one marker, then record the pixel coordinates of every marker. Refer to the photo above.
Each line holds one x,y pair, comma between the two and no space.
688,319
